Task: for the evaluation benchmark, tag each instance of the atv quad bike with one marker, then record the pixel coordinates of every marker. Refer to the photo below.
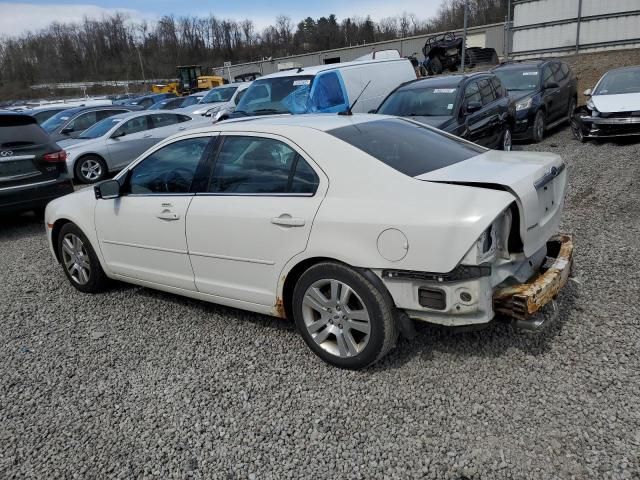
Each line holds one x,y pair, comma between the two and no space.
445,51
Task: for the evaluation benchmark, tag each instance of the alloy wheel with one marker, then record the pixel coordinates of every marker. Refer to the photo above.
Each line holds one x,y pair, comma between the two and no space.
91,170
336,318
76,259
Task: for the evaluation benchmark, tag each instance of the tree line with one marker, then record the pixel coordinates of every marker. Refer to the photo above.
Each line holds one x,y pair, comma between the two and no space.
118,48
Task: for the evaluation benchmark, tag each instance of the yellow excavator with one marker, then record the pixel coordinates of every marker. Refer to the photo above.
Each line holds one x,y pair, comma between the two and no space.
190,80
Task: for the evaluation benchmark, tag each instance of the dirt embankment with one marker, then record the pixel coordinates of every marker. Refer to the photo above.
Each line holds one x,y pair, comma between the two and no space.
589,67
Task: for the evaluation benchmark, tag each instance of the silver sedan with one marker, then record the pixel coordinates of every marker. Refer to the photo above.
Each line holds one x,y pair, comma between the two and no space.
115,142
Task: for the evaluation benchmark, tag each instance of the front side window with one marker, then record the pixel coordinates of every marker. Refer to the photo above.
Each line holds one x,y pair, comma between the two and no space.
101,128
472,94
170,169
558,75
256,165
408,147
486,92
423,102
497,87
547,75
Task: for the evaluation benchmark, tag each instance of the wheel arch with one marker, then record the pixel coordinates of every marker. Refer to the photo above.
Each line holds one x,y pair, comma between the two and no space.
284,301
55,235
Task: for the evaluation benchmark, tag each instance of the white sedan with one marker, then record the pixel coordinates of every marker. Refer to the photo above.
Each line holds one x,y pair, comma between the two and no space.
350,225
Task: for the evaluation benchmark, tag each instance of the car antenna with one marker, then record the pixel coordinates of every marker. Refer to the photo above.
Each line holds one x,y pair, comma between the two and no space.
300,70
348,111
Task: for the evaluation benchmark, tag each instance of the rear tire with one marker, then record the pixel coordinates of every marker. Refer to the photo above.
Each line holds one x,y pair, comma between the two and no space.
79,260
344,318
539,126
90,169
436,65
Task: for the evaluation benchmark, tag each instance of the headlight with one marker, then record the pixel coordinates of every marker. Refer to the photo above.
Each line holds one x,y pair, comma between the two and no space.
524,105
591,106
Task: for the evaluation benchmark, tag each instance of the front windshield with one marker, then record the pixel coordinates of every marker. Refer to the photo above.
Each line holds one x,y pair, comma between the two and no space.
518,80
100,128
276,95
620,82
421,102
54,122
217,95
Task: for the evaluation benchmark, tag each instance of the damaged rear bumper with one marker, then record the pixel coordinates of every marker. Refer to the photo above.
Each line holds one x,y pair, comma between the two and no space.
522,301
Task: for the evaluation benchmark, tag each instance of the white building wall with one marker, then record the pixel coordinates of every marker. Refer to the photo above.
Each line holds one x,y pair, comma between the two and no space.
551,26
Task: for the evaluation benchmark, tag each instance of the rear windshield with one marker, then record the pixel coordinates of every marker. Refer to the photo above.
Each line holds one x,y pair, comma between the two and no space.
407,147
20,133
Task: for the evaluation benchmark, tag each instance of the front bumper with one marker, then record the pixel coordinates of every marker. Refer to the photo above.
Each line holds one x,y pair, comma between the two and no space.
599,127
524,300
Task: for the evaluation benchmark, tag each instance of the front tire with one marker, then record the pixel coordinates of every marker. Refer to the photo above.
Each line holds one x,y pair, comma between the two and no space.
344,318
79,261
539,126
90,169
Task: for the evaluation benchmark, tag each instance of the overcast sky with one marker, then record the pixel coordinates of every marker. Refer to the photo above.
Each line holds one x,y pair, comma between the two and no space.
18,17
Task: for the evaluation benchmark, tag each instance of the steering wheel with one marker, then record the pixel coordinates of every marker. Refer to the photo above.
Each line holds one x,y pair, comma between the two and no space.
177,180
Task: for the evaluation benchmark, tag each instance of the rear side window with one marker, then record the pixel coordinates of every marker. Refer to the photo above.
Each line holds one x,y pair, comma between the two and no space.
486,92
164,120
565,69
547,75
15,134
256,165
407,147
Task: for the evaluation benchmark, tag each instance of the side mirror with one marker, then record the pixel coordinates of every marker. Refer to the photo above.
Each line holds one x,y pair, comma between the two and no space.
66,130
588,92
550,85
372,111
473,107
107,190
118,134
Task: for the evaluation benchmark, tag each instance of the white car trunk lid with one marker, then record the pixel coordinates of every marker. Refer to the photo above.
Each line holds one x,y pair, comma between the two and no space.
537,180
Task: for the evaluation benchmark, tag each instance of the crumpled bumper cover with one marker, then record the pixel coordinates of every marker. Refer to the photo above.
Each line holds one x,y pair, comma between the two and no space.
524,300
603,127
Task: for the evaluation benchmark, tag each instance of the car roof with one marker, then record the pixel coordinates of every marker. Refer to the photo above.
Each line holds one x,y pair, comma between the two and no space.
622,69
75,110
331,66
45,108
144,113
520,64
320,121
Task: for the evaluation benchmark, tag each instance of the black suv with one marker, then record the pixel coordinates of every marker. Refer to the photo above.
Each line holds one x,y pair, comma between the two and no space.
32,166
475,107
545,92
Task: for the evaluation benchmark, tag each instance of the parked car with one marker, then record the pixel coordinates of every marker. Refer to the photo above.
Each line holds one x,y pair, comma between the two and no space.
146,101
325,88
223,98
545,92
42,114
178,102
116,141
72,122
613,107
32,166
241,213
475,107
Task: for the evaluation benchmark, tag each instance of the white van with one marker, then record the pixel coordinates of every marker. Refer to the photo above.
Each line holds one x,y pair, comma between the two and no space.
325,88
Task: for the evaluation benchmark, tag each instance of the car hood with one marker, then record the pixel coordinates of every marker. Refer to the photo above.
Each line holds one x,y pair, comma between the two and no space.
74,142
520,94
625,102
438,121
537,180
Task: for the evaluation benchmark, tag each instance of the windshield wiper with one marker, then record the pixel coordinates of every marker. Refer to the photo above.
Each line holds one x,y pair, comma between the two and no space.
270,110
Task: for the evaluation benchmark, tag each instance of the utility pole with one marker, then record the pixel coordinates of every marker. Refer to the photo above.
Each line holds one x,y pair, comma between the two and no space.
141,65
464,33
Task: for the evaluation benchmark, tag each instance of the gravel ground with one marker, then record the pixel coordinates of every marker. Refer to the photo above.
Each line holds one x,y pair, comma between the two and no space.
139,384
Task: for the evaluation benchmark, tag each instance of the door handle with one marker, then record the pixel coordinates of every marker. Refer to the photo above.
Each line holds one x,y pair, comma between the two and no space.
182,128
146,135
168,215
286,220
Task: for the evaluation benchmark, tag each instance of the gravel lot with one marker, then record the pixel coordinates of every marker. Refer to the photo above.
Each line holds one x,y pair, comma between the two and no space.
139,384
